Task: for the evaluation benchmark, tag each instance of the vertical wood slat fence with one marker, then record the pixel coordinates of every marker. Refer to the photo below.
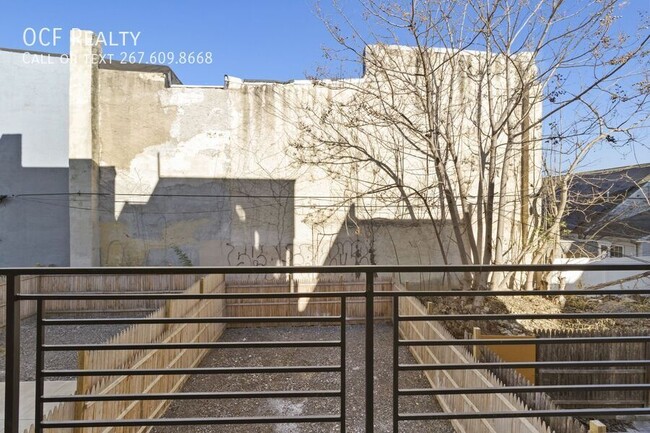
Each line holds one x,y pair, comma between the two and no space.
146,359
94,284
356,309
569,376
534,400
462,403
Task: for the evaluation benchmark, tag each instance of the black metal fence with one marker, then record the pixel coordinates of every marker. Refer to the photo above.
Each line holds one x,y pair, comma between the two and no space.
13,343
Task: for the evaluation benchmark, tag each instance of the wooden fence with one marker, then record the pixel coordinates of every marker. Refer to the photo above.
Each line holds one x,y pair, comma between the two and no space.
534,400
430,330
146,359
507,352
578,375
94,284
356,309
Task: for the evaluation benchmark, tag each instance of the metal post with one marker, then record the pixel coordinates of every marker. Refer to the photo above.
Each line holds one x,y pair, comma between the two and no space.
40,365
370,349
12,356
344,310
395,364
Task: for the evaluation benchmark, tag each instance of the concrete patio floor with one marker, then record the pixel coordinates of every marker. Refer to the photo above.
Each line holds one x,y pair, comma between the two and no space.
27,399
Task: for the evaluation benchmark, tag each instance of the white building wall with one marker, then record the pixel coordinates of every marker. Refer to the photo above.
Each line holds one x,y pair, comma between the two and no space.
577,280
34,103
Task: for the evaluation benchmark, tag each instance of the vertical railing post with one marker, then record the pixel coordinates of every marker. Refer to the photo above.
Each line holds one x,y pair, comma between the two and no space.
40,366
370,349
395,364
12,355
343,337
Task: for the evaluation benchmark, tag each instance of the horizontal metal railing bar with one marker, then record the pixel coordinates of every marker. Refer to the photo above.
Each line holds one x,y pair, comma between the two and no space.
368,294
191,421
597,412
545,364
350,294
560,340
516,316
194,396
144,320
186,296
475,293
213,370
523,389
352,269
218,345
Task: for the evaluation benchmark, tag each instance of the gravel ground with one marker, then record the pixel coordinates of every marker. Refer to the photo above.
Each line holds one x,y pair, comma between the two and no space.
303,381
263,382
73,334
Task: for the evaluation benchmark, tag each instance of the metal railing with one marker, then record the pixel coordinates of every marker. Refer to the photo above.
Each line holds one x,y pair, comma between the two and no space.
13,343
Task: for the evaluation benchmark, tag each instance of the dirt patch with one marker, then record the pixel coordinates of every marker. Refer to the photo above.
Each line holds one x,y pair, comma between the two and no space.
539,305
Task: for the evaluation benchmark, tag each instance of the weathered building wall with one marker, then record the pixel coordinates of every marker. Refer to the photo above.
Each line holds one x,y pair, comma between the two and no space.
33,159
210,221
208,173
219,156
392,242
463,121
208,170
83,154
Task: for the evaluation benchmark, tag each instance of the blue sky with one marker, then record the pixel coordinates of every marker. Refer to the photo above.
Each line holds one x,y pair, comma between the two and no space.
250,39
255,39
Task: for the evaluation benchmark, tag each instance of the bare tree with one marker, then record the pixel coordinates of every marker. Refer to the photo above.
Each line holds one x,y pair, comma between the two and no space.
464,106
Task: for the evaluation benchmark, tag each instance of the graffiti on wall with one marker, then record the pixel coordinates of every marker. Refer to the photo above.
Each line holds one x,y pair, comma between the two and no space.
349,252
340,252
276,255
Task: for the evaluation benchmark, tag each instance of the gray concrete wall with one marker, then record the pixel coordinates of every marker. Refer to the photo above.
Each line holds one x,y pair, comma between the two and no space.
154,138
33,229
161,174
393,242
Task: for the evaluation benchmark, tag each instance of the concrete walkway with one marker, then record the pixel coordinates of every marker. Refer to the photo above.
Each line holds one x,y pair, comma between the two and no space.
27,400
640,427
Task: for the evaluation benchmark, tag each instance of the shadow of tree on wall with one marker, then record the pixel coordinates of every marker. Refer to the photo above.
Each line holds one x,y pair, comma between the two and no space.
385,241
